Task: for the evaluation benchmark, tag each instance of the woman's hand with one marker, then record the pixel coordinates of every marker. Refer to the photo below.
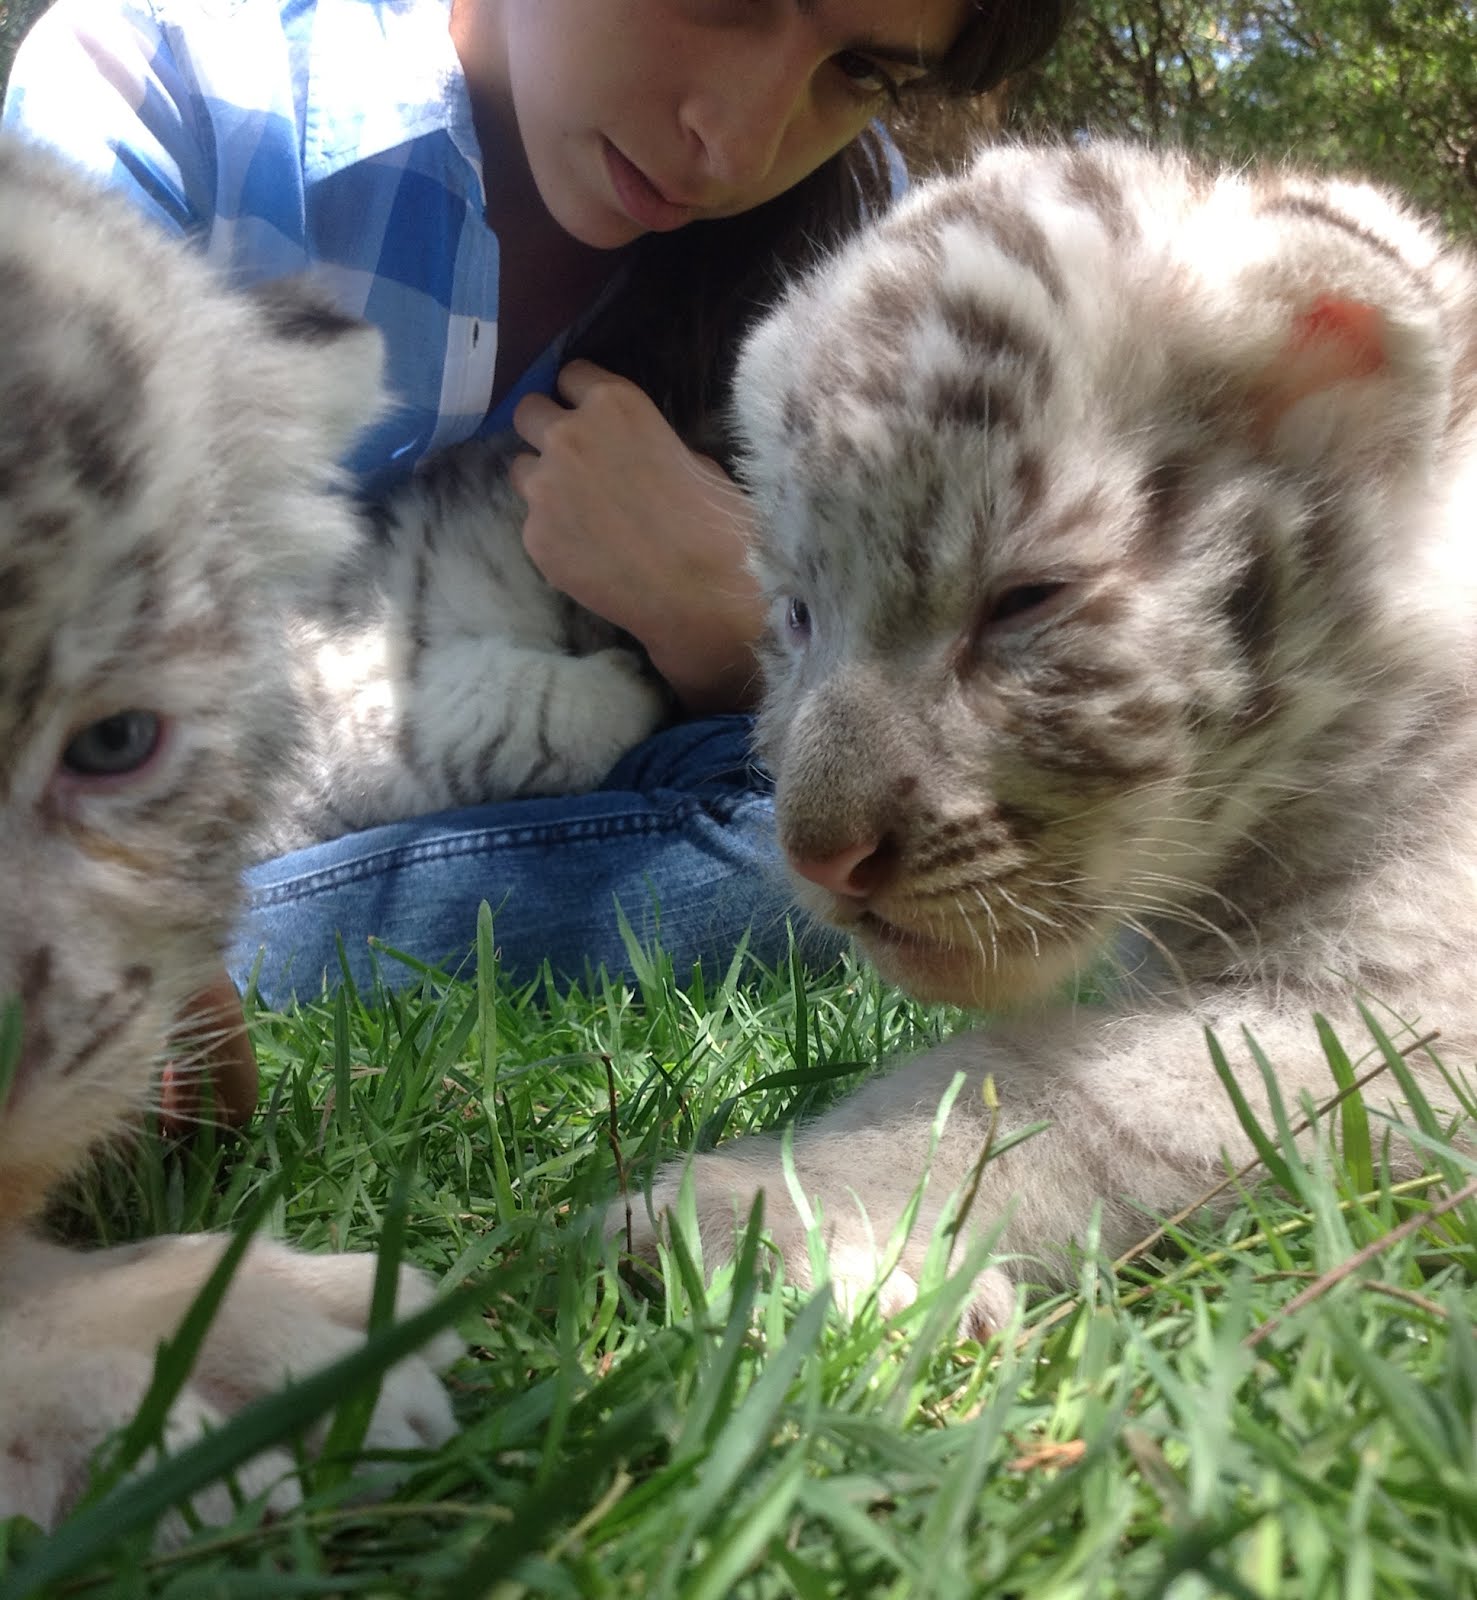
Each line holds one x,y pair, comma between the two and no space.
639,529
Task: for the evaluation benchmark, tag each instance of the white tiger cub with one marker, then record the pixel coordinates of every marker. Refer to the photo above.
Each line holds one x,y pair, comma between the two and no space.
443,670
166,489
1118,522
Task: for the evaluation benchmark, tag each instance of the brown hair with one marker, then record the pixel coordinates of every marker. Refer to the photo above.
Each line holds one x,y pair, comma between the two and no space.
675,324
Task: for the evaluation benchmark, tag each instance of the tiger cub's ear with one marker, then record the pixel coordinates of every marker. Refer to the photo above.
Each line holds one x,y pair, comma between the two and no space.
1332,341
1353,386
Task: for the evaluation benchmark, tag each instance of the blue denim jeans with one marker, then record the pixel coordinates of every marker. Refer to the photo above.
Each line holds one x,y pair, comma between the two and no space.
680,836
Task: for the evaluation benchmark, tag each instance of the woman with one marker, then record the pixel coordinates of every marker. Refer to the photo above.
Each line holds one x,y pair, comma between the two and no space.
561,213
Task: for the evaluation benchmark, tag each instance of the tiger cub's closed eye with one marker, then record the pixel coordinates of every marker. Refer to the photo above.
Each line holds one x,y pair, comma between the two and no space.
1023,604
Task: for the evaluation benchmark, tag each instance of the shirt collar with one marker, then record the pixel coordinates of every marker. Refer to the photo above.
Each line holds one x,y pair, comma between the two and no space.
381,73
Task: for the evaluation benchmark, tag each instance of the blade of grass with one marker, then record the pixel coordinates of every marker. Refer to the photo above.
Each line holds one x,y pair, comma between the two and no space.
1353,1120
175,1358
1267,1152
10,1048
346,1433
488,1036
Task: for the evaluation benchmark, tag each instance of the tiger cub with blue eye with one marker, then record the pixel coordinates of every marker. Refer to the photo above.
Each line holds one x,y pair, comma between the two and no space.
1117,516
167,496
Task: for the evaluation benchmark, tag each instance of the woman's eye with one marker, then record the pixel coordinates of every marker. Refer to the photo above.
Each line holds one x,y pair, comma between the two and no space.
797,619
114,746
866,76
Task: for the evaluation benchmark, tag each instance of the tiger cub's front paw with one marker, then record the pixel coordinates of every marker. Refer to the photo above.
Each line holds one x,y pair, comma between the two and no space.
861,1263
724,1186
77,1345
289,1313
58,1406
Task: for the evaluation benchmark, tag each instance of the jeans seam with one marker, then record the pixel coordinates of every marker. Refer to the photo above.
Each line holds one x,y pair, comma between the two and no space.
324,879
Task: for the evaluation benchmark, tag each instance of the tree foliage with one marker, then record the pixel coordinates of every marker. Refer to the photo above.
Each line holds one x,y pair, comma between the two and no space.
1384,87
15,17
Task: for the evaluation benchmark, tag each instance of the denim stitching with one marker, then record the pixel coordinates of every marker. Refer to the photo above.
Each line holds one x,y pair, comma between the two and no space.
326,879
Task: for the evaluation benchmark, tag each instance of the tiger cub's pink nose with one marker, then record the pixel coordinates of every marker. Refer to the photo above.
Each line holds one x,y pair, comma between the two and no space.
854,872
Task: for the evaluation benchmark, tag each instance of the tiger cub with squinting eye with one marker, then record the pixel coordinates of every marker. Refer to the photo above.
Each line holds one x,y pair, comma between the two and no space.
1118,518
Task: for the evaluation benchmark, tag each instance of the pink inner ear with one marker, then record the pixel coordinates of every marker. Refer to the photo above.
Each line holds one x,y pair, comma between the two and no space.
1346,339
1333,341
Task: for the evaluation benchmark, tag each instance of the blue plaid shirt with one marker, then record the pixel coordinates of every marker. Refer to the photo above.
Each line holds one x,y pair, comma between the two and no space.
327,137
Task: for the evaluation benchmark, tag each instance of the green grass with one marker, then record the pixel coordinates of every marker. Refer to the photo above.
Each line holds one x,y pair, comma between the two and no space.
1285,1405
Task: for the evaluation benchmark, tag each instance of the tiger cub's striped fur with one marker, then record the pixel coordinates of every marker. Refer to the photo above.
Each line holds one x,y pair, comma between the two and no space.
167,490
1118,521
442,669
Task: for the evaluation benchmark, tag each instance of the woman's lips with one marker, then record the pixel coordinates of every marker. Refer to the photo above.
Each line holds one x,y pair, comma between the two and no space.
640,198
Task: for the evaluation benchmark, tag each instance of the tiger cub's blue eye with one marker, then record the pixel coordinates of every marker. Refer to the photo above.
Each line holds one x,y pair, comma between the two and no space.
114,746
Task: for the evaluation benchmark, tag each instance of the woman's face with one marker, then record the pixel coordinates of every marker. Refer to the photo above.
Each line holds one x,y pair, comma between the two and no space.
640,115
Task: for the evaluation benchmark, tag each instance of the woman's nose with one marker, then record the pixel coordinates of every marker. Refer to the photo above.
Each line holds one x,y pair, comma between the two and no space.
739,115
